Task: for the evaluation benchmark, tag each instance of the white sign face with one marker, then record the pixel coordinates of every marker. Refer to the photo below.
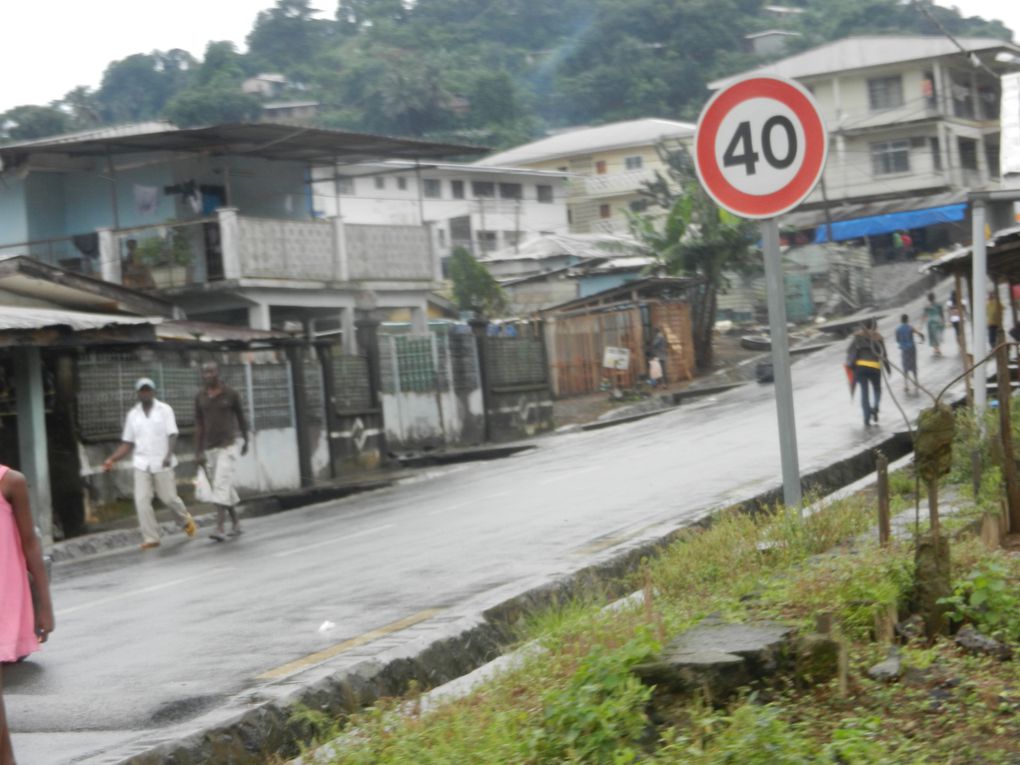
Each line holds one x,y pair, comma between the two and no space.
760,146
616,358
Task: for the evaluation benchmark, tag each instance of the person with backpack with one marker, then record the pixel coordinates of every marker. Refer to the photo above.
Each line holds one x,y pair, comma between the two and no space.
866,356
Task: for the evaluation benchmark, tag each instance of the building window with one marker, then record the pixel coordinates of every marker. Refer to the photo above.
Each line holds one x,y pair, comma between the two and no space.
600,167
885,93
402,183
637,205
890,157
968,153
457,189
510,191
487,241
936,153
511,238
545,193
344,184
634,163
441,233
605,211
380,182
992,157
483,188
433,189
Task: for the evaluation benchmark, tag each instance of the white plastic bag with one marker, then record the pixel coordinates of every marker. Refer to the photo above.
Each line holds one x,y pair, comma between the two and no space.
203,489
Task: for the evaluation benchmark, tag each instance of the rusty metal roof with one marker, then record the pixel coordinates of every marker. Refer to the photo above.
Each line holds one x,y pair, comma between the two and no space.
20,318
209,332
264,140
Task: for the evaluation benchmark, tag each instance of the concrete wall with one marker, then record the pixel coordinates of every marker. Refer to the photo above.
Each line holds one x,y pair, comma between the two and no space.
364,202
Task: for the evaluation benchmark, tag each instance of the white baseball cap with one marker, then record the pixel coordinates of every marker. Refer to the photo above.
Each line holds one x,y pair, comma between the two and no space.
144,382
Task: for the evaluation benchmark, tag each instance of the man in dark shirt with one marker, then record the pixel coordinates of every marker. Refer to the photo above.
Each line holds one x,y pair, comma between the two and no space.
219,417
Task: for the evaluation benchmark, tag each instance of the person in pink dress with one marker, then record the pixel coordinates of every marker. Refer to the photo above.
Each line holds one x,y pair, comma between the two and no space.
23,624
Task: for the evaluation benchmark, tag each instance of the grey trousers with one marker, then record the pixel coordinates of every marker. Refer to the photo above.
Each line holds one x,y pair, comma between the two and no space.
162,484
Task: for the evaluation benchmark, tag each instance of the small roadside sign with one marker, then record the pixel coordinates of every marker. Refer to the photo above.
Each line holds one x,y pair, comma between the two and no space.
760,146
616,358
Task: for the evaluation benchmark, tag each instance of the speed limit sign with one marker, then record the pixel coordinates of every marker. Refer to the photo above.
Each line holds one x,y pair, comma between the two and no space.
760,146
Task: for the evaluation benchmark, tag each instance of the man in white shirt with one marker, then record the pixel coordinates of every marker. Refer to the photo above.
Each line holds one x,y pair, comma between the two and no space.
150,431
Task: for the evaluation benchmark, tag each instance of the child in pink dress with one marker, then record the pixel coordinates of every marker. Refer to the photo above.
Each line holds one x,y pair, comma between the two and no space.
23,626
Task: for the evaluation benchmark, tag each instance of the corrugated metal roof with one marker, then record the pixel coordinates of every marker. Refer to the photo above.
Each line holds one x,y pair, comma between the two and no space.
578,245
208,332
616,135
263,139
862,52
17,318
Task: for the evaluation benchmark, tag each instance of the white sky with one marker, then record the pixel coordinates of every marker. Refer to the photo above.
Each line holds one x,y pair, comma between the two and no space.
52,46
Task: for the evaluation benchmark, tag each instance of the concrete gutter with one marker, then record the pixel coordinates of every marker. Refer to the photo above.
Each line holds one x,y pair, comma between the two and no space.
261,721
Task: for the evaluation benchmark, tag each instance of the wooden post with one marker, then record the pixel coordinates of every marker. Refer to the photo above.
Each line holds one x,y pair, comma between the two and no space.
884,531
1006,433
933,506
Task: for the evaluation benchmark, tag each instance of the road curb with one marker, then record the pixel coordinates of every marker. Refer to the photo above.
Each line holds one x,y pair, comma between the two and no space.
269,726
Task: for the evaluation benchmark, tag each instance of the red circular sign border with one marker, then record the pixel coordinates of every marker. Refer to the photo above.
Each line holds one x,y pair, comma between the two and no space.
799,101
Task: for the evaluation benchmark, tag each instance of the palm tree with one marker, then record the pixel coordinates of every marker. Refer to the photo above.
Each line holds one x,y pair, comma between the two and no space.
695,237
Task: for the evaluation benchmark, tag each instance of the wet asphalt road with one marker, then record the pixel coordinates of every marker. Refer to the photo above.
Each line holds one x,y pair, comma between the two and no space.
146,640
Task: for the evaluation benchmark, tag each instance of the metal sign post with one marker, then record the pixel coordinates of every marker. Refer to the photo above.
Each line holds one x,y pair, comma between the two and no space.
783,380
760,149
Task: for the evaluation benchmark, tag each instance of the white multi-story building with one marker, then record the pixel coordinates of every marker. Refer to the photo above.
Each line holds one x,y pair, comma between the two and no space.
914,124
608,165
482,208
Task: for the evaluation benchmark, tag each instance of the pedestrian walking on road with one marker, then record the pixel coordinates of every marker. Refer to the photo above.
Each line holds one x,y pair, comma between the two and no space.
26,611
935,322
219,418
150,432
957,312
866,356
908,351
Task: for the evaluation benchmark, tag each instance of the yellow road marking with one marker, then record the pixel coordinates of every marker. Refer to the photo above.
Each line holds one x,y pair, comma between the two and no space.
318,657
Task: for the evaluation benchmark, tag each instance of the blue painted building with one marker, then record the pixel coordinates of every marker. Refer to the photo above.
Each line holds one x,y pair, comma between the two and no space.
219,219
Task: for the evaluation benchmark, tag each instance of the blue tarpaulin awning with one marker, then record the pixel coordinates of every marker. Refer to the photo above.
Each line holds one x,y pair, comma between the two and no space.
873,225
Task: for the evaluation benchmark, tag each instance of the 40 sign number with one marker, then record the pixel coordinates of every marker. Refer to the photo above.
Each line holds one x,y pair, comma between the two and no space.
760,146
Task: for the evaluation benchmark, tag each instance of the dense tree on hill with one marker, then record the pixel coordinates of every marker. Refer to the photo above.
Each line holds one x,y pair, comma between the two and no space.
138,87
289,38
23,123
214,93
498,71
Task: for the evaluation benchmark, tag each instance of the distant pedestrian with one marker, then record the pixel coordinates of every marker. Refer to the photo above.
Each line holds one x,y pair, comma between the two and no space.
26,612
908,351
993,318
935,322
219,419
866,357
957,313
150,432
660,349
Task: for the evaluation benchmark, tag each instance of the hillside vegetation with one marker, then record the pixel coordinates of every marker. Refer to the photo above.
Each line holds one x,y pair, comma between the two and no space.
496,72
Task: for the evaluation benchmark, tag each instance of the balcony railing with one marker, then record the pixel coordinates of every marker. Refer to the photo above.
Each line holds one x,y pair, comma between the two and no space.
609,185
229,246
